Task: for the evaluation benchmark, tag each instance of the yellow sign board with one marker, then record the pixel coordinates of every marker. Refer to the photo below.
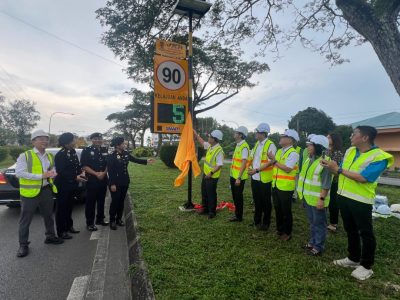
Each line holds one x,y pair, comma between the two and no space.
171,88
170,49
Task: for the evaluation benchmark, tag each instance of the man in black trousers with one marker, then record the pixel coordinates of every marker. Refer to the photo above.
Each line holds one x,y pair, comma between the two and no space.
94,162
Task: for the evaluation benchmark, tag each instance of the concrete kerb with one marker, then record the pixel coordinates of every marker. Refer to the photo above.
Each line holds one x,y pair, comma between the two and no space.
141,287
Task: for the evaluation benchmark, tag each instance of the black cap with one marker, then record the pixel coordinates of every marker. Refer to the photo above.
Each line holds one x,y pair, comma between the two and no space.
96,135
65,139
117,141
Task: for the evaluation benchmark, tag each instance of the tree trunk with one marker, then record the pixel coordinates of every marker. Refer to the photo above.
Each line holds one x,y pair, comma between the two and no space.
380,30
159,143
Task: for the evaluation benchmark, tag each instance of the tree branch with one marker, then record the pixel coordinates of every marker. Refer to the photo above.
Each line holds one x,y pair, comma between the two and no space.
216,104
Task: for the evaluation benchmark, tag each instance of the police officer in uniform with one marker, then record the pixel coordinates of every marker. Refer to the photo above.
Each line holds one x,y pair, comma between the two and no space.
69,174
117,168
94,162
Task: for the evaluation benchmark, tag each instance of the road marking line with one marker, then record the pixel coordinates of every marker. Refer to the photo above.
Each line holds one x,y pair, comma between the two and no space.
96,234
78,288
97,279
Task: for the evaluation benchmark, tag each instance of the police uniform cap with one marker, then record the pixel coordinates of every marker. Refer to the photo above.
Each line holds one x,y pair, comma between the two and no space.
65,139
117,141
96,135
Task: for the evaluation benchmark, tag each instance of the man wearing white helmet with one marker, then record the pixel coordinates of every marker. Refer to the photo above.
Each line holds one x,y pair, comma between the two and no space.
313,187
35,170
212,170
285,164
238,173
260,168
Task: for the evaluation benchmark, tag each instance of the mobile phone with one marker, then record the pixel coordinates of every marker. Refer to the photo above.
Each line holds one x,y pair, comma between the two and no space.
323,155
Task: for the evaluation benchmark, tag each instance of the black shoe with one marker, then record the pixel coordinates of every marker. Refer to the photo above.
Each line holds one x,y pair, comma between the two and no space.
91,227
120,223
23,251
234,219
65,236
102,223
113,226
73,230
262,227
211,216
53,240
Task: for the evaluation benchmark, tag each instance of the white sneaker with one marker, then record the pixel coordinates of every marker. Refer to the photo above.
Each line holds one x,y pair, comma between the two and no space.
346,262
362,273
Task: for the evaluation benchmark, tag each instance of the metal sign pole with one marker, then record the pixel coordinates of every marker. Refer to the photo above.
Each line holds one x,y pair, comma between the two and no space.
189,203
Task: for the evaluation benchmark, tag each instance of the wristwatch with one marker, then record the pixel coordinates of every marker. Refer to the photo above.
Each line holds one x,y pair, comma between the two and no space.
212,172
322,198
257,171
340,171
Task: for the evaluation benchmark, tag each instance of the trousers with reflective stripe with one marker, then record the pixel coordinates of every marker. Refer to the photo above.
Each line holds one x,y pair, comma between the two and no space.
282,180
265,174
309,183
29,188
211,161
360,191
237,162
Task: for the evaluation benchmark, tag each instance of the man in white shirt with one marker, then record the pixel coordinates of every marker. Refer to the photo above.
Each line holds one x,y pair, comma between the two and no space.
285,164
261,170
212,169
44,199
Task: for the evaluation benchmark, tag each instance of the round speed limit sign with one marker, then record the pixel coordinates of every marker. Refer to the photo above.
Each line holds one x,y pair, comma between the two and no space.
171,75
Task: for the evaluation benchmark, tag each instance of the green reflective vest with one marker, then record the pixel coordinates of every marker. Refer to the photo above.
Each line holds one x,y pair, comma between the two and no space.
360,191
211,160
237,161
29,188
282,180
267,173
309,183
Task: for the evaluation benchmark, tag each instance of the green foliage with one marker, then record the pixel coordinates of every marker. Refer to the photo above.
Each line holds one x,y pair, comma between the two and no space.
167,155
143,152
15,151
3,153
311,120
191,257
345,132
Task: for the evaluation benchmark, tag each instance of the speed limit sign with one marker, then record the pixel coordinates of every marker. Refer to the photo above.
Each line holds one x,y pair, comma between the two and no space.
171,75
171,93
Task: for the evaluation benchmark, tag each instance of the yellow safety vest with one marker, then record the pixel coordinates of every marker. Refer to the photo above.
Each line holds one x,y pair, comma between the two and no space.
29,188
211,161
267,173
282,180
237,162
309,183
360,191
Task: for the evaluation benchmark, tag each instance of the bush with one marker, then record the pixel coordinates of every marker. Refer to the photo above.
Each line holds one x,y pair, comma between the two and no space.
168,152
167,155
143,152
15,151
3,153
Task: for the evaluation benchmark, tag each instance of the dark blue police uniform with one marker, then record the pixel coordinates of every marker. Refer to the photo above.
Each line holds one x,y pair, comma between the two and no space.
96,159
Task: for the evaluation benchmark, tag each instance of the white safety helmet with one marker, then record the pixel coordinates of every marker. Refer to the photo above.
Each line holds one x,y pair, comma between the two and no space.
310,136
319,140
243,130
263,128
291,133
38,133
217,134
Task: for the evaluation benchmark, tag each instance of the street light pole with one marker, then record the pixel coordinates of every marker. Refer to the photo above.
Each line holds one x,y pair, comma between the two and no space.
58,112
192,9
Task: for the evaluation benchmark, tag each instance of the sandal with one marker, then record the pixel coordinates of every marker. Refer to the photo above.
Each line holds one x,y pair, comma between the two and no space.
314,252
307,246
332,228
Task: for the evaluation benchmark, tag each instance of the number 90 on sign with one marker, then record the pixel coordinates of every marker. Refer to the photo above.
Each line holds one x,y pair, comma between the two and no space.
171,75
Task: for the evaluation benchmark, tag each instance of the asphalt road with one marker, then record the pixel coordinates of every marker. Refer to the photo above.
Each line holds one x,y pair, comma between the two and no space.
49,271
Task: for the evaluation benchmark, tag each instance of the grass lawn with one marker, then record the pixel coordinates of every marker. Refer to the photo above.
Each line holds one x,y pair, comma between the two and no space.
6,163
191,257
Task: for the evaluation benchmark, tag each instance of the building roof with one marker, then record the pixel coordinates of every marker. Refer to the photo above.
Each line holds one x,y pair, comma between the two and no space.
389,120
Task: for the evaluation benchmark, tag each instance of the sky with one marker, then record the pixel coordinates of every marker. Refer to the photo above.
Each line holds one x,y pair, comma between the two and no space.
51,53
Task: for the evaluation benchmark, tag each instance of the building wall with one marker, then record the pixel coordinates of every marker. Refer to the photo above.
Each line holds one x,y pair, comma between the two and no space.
389,140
